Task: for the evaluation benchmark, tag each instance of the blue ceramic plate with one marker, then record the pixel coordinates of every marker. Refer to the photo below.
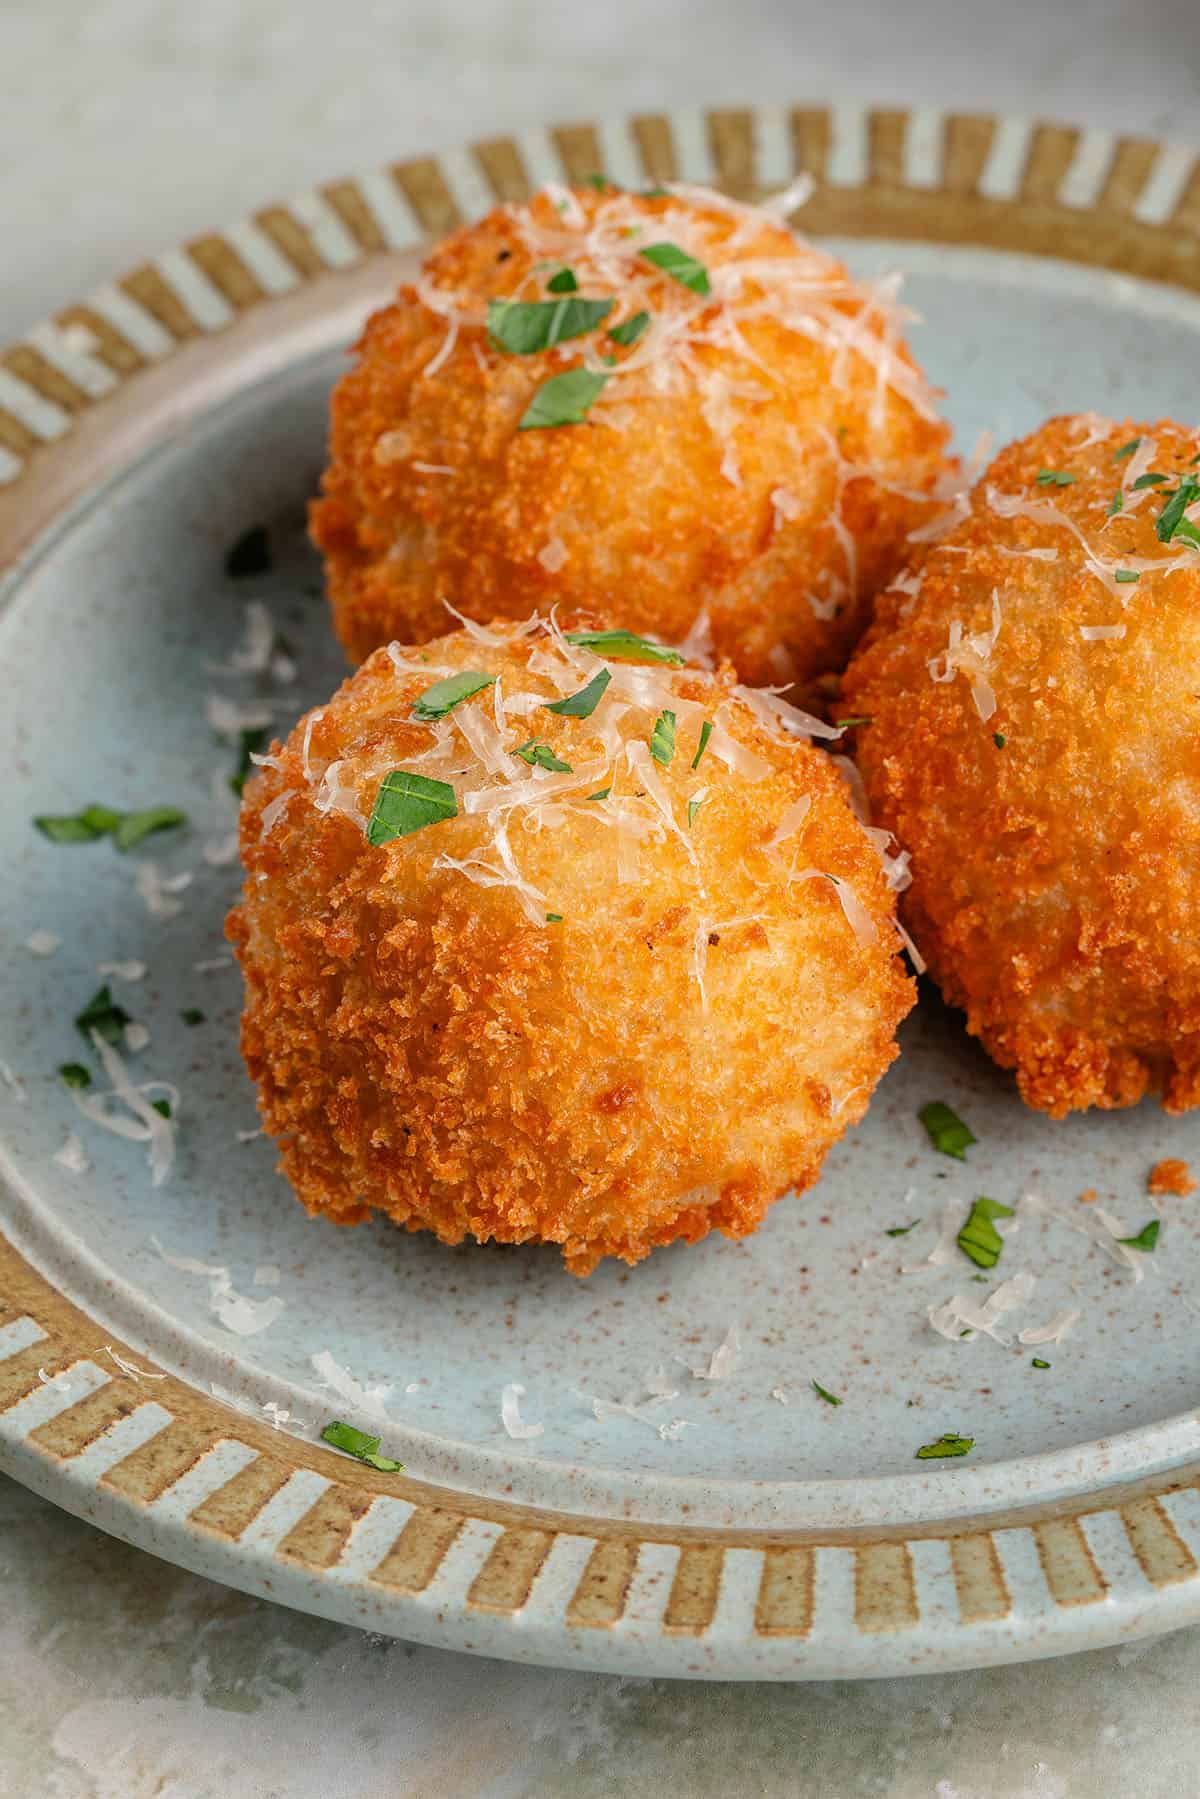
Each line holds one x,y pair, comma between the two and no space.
764,1532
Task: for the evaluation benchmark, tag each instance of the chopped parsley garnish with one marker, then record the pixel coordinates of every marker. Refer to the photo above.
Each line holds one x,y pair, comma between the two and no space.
601,793
601,183
706,731
136,825
250,743
1116,504
1188,532
1126,449
693,807
358,1444
192,1015
554,918
249,554
565,399
162,1107
625,646
1146,1238
679,265
662,739
104,1016
902,1230
523,327
1171,516
445,695
583,703
540,755
407,802
125,828
563,282
1038,1361
979,1239
946,1129
945,1446
1150,480
1123,576
846,724
824,1393
999,739
74,1074
1055,477
630,330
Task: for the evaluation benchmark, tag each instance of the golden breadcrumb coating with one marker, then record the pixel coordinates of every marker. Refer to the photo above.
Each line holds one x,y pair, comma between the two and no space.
1034,689
758,454
1171,1175
571,1012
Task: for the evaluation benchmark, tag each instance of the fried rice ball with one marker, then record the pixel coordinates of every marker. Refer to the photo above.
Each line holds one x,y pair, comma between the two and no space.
626,976
751,443
1033,691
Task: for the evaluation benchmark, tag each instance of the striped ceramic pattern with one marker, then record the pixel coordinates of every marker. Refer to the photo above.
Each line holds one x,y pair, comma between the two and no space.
165,1465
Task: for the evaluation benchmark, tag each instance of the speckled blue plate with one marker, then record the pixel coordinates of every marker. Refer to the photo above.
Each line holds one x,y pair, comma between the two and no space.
767,1533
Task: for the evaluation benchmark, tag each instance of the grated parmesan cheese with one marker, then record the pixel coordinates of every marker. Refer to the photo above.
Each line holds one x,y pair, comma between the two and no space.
1053,1332
510,1413
245,1317
140,1122
42,943
959,1315
123,971
157,890
369,1401
969,653
71,1156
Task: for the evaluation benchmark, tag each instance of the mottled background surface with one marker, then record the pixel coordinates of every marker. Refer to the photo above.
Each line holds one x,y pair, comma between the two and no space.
124,126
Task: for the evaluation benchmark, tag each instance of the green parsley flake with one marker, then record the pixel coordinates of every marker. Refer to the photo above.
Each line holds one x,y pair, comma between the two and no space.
74,1074
945,1446
979,1239
192,1015
250,744
848,724
630,330
679,265
601,793
554,918
104,1016
624,646
162,1107
563,282
407,802
902,1230
134,826
1188,532
946,1129
583,703
1126,449
126,829
706,731
999,739
524,327
824,1393
445,695
693,807
601,183
1171,517
1116,504
358,1444
1123,576
1150,480
1039,1362
1146,1239
1055,477
540,755
662,739
565,399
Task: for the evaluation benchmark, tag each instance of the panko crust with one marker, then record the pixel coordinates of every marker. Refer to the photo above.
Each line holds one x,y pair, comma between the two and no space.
424,1048
1054,871
782,533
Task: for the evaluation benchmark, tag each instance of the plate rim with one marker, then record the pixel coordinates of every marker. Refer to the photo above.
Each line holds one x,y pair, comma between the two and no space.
111,378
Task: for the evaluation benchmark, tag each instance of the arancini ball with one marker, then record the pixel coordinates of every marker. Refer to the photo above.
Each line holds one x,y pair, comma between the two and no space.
1034,695
549,938
666,410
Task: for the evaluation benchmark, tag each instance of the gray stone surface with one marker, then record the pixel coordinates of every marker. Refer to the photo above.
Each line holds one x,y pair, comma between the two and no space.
124,126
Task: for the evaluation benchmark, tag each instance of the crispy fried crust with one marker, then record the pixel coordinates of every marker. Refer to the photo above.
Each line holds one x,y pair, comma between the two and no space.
432,492
423,1048
1054,877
